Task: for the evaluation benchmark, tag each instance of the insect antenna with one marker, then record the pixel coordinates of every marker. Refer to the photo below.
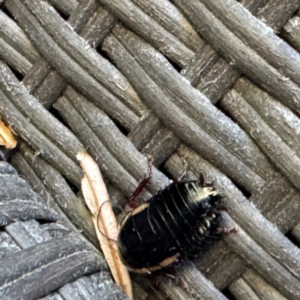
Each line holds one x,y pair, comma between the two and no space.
98,221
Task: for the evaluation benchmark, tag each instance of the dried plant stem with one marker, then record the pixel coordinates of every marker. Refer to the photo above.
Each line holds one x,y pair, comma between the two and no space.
97,200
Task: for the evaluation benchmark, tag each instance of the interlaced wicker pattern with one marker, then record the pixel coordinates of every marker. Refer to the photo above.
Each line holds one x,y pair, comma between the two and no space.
214,84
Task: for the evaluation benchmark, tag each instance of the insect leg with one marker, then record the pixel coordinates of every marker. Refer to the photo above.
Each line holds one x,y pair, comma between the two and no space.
203,182
141,185
171,273
181,177
184,174
226,231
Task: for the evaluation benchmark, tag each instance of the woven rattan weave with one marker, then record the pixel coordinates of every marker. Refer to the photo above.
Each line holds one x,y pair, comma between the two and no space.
211,86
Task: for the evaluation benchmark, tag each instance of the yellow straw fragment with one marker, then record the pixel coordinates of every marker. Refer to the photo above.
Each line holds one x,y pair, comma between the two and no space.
6,137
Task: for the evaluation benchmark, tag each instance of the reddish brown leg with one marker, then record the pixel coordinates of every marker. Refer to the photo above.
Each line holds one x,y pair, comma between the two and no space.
168,271
201,179
203,182
229,231
141,185
222,207
171,273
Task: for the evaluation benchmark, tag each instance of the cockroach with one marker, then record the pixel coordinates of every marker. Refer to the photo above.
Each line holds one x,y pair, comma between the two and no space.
180,220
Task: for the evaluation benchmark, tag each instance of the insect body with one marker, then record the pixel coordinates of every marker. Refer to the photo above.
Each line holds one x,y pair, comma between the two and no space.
180,220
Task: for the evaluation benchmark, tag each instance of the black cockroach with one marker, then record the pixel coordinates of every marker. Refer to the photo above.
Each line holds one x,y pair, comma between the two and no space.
180,220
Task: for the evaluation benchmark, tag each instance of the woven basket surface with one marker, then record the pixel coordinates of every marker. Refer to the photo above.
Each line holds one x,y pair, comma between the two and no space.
210,87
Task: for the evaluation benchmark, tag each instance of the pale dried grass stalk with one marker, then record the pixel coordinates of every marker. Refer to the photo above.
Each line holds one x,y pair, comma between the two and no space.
97,200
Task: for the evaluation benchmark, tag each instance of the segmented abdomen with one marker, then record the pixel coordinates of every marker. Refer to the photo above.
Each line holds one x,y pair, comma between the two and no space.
180,219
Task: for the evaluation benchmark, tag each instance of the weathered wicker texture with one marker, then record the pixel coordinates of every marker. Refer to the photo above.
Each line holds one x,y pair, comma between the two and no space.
232,112
38,258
